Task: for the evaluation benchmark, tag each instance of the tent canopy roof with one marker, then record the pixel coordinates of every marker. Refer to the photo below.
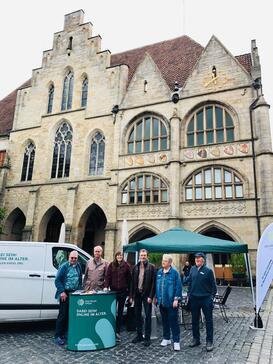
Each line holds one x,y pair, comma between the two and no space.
179,240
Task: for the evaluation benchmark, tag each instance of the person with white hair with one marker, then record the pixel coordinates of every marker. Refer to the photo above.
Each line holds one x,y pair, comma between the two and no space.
168,294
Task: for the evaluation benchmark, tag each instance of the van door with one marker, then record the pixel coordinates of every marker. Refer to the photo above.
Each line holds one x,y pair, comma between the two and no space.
21,280
55,257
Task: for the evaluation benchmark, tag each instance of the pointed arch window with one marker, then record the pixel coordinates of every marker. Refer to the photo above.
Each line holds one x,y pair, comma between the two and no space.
62,151
97,151
214,183
147,134
84,92
67,91
50,99
210,124
28,162
144,188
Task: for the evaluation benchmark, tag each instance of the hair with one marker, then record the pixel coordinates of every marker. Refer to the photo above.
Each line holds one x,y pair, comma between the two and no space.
143,250
115,262
167,257
98,246
74,252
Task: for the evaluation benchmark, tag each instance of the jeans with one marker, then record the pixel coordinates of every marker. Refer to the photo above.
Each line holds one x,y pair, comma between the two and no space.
170,323
62,319
121,298
139,300
206,304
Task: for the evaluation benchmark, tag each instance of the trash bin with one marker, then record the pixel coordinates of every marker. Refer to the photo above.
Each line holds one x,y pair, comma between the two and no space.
92,321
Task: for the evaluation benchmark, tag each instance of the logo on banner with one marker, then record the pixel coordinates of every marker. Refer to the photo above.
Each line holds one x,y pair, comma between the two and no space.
80,302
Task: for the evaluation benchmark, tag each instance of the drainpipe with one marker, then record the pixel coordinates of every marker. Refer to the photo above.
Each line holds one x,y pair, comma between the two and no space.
257,86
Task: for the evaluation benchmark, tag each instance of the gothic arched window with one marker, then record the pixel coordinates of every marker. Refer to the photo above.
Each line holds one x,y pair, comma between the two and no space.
147,134
62,151
213,183
97,150
50,99
67,91
210,124
84,92
144,188
28,162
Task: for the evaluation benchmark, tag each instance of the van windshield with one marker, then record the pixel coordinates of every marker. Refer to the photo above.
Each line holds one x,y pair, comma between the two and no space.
60,255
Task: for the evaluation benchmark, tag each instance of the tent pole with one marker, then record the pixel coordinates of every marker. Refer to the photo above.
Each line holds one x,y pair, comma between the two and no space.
136,257
250,277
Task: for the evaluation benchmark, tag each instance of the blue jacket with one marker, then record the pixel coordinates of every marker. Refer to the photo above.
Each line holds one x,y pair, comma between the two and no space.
201,282
168,287
61,278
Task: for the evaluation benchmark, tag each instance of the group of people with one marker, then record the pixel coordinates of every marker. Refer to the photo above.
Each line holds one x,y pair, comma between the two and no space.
143,285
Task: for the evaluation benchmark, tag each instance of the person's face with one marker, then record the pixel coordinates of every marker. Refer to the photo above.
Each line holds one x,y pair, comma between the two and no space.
143,256
199,261
187,263
119,258
97,253
73,258
166,263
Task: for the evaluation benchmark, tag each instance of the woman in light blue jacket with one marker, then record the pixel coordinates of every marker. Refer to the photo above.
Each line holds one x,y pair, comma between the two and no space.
168,294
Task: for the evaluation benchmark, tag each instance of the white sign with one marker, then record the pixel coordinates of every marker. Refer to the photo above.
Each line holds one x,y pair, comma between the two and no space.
264,265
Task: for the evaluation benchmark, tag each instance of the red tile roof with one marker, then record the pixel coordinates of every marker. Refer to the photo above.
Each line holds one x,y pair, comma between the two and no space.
175,59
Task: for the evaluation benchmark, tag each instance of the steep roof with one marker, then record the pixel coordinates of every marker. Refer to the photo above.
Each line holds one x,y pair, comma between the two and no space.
174,58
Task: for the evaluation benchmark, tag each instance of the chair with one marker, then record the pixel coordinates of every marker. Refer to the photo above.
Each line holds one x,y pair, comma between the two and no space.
221,300
219,273
228,276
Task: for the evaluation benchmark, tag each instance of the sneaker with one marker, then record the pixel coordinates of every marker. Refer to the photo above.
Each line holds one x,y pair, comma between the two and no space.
147,342
118,338
137,339
165,342
194,343
209,346
59,341
176,346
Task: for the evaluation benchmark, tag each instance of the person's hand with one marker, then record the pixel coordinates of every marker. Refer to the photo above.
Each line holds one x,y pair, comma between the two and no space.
149,300
63,296
105,289
155,301
175,303
130,301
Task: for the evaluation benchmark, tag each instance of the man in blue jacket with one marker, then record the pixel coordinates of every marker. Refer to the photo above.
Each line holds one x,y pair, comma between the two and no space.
68,279
168,294
202,289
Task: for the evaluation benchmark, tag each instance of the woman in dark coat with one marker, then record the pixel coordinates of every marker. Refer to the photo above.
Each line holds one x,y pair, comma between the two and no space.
118,279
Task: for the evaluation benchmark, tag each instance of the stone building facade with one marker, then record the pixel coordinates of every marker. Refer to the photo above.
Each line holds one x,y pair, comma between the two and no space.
170,134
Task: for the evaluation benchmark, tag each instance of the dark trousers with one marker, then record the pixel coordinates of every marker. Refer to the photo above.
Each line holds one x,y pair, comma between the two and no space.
206,304
121,298
62,319
139,300
169,317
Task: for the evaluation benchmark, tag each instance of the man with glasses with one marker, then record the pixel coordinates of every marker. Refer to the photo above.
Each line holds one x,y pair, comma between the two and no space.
68,279
95,271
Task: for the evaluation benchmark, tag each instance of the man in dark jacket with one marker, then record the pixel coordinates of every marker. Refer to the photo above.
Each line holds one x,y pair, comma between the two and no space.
142,291
68,279
202,289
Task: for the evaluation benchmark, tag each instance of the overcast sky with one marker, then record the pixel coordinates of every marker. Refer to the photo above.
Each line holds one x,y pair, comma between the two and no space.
27,28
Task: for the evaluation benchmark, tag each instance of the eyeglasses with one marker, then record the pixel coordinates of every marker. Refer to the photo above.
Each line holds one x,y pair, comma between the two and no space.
74,258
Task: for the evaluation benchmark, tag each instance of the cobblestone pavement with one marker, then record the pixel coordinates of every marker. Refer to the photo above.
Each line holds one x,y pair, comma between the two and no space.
234,341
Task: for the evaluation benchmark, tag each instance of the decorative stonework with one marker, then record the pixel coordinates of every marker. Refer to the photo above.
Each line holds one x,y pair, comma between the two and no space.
231,150
214,209
144,211
146,159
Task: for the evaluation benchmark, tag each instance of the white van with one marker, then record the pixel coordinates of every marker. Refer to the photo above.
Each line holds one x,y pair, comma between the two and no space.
27,274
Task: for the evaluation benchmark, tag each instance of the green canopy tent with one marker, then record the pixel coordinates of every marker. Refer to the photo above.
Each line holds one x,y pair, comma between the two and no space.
179,240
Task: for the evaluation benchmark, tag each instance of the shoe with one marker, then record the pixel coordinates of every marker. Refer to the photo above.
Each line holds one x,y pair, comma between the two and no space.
209,346
137,339
165,342
194,343
118,338
176,346
147,342
59,341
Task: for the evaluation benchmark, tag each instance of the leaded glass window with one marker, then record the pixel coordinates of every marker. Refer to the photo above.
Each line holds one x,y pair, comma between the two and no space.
84,92
50,99
62,151
147,134
28,162
67,91
210,124
213,183
97,150
144,188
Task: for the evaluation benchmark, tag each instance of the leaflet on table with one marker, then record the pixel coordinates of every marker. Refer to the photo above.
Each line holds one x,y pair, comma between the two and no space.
79,292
